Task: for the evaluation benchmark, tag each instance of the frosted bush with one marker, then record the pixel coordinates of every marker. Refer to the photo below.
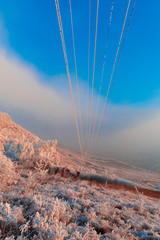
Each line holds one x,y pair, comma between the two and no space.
31,151
51,223
11,217
7,171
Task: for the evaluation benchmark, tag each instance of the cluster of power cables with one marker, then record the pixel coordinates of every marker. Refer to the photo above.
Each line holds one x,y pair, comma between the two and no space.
93,133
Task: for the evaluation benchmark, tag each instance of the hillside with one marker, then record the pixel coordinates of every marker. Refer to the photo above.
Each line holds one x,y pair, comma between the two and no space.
9,129
48,192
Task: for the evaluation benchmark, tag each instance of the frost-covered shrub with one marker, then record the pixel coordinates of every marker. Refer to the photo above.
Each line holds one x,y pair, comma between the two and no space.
54,231
7,171
33,181
11,217
31,151
52,219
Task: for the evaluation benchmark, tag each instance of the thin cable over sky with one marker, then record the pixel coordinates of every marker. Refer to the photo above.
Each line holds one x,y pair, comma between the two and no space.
89,39
115,61
67,68
104,61
75,62
90,121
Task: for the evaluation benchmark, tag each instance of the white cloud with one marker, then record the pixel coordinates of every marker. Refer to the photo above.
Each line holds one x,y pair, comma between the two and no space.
21,88
128,132
138,141
126,129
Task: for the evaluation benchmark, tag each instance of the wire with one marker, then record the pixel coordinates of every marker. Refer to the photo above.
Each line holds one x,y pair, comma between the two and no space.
106,99
104,61
123,44
89,37
93,73
124,40
79,106
67,68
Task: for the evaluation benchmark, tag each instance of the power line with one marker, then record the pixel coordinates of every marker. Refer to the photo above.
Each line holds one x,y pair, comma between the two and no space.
79,107
93,72
67,68
89,37
104,61
106,99
124,40
123,44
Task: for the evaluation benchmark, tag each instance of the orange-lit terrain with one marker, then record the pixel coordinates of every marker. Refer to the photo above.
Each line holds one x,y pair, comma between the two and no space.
49,192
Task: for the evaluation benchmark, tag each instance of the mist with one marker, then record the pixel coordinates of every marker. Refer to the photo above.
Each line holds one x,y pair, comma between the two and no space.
129,133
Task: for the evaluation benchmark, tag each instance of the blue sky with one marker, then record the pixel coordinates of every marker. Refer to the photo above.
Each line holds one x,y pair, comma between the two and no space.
34,86
33,35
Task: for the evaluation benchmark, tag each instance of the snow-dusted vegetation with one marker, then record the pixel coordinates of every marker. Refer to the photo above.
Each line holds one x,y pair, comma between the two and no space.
7,171
45,194
65,208
31,151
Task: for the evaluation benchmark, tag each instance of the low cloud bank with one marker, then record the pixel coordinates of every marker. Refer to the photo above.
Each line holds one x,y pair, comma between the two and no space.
130,133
